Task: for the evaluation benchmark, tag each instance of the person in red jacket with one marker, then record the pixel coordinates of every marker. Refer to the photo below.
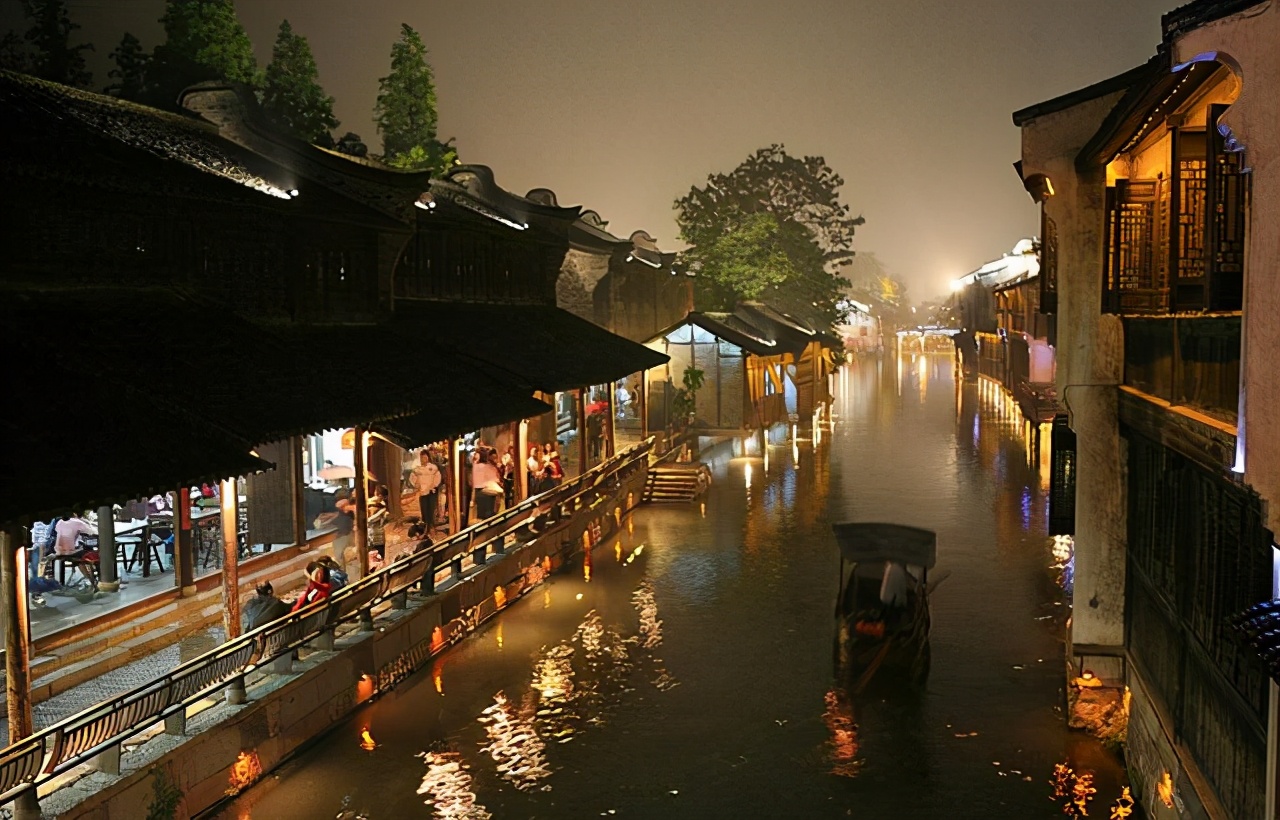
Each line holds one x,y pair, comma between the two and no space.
318,586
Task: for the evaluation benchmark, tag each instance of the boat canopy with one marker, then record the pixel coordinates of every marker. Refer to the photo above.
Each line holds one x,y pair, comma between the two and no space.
862,543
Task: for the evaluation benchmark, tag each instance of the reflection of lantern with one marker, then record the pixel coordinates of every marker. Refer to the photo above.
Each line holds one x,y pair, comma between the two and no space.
349,439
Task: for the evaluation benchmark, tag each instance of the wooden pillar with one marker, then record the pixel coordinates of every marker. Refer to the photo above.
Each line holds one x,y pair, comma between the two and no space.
360,533
108,578
455,486
230,560
610,446
17,649
644,404
183,543
580,405
522,454
299,490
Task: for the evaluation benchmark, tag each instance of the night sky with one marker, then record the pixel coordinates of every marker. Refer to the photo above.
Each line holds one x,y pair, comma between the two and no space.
621,107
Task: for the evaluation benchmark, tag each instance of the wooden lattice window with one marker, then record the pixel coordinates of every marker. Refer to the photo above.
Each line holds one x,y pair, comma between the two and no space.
1137,273
1188,240
1048,263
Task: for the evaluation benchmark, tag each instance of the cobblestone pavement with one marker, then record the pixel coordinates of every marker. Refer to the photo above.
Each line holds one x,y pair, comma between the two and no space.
78,698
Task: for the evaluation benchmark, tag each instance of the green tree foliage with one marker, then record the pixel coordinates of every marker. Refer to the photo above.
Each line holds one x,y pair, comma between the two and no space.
291,95
351,143
130,73
204,40
773,229
45,50
406,109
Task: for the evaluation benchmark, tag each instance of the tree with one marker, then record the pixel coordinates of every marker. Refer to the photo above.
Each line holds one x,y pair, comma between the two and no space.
291,95
406,109
45,50
351,144
872,284
204,40
774,229
130,73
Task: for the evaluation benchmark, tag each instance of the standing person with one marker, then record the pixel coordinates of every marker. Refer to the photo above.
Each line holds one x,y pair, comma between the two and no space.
623,397
486,483
555,472
533,468
425,480
508,468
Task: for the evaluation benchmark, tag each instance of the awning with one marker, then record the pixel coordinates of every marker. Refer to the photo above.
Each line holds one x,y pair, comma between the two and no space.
447,419
77,440
546,348
792,336
261,384
732,329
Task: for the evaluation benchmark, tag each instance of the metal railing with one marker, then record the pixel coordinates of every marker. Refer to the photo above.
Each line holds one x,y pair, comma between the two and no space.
100,729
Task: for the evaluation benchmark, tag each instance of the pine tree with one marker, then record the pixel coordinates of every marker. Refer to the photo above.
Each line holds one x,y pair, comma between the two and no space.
49,53
204,41
292,96
406,109
130,73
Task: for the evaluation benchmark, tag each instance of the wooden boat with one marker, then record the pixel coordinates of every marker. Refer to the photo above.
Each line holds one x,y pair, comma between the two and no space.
882,614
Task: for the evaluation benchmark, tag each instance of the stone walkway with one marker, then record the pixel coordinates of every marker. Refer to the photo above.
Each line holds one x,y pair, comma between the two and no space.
118,681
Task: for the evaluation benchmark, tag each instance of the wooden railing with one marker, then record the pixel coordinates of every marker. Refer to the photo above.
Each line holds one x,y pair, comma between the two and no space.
99,731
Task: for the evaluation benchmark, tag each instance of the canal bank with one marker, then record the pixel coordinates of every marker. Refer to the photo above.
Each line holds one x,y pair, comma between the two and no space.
369,639
691,675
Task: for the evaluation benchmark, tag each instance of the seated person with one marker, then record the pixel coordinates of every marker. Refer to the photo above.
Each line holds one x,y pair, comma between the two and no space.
67,532
263,608
318,587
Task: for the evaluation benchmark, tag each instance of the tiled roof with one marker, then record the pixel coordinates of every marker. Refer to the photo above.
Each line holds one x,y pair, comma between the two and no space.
1259,629
42,119
1198,13
545,348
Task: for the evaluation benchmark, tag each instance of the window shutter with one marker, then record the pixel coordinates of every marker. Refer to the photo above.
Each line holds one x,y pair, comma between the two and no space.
1228,195
1062,478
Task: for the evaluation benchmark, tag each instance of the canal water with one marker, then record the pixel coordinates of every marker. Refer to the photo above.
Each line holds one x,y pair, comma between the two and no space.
688,671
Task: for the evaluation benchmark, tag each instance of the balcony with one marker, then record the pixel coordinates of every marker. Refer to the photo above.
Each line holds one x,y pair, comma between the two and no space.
1193,361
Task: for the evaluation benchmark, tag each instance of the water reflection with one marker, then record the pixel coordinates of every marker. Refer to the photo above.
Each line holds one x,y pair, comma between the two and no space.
448,788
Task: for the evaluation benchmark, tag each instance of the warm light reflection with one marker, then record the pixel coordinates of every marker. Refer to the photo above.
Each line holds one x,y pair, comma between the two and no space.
586,565
497,633
1123,807
746,472
1164,789
437,639
617,552
366,740
499,597
447,785
514,744
244,772
438,679
843,740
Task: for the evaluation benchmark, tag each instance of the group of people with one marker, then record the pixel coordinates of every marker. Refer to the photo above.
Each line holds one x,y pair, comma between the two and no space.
544,469
325,576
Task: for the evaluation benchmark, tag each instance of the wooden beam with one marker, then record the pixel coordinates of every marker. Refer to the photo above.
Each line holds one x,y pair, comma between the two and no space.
299,490
580,403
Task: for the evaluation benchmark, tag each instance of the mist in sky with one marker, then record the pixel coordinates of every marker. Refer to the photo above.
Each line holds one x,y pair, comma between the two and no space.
621,107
